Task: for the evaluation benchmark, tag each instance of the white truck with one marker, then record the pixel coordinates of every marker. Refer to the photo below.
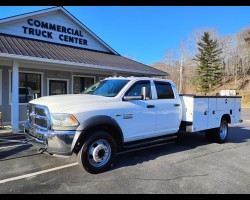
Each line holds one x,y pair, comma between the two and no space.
120,112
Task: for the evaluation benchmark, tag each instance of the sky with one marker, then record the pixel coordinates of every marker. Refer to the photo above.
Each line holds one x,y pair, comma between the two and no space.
145,33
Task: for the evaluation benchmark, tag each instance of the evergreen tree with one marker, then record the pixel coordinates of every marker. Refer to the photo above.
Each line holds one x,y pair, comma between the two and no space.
209,61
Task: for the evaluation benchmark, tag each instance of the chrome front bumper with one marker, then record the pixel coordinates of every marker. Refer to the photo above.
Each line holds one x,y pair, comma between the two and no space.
54,142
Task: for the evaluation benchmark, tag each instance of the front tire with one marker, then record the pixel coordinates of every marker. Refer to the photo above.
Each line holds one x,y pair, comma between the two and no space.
97,153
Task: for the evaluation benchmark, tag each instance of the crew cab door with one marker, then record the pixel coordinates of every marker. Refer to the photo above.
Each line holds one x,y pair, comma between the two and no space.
138,117
168,108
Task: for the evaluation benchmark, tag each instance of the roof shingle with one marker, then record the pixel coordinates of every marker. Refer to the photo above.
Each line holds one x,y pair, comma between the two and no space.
40,49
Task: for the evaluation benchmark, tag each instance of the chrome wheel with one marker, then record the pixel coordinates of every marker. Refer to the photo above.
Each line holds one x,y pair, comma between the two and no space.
99,153
223,131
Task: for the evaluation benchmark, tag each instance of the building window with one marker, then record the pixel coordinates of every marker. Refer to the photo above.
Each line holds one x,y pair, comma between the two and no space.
29,87
82,83
57,87
164,90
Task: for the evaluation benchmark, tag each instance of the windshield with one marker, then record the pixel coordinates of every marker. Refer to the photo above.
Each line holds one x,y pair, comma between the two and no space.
107,88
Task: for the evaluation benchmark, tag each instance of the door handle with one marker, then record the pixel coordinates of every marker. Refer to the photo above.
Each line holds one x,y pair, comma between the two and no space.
176,105
150,106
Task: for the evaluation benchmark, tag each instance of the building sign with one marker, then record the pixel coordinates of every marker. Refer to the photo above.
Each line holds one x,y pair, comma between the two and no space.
54,27
45,29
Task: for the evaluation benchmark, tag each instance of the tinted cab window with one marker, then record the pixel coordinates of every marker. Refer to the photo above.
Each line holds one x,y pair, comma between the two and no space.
135,90
164,90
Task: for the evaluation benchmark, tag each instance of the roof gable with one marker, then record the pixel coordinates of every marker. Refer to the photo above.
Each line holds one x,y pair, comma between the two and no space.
54,25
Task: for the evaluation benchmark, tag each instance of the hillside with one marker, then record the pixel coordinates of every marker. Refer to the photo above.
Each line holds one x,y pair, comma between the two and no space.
241,85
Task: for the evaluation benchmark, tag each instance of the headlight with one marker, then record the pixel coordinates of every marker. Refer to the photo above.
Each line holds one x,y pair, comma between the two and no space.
63,120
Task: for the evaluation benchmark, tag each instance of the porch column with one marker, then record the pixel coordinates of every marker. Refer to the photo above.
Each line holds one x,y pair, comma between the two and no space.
15,99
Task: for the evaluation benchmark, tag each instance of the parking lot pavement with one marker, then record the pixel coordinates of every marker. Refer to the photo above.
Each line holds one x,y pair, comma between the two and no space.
192,165
246,114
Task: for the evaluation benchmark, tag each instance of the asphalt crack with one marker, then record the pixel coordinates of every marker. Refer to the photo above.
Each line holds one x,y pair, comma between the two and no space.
221,150
146,179
171,179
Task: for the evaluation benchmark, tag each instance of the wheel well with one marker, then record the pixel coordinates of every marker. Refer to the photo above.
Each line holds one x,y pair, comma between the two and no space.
112,130
227,118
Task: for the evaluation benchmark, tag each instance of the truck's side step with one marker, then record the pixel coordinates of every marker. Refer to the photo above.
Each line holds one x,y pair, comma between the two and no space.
142,144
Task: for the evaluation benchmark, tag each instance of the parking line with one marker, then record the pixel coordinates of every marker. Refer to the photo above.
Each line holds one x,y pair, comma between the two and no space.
13,146
37,173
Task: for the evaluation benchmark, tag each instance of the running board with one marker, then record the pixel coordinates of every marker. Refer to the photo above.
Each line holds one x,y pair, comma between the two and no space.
149,142
124,151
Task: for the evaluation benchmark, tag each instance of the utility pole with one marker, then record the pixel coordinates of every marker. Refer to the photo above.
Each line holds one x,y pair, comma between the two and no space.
181,75
182,54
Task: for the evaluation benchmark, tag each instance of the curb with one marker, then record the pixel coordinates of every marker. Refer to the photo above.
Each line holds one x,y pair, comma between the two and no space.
8,131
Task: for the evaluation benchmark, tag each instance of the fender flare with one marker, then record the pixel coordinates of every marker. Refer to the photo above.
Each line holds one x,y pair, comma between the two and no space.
95,121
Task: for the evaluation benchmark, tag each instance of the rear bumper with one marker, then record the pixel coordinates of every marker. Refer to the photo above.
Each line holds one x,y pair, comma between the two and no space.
54,142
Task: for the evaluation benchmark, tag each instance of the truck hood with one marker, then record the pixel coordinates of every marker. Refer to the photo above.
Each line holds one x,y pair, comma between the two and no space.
63,103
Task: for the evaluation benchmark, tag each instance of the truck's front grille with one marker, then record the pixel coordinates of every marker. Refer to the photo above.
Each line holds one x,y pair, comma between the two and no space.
40,111
36,135
38,116
41,122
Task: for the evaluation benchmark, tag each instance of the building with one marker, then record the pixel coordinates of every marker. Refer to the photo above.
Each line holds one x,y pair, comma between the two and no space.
50,52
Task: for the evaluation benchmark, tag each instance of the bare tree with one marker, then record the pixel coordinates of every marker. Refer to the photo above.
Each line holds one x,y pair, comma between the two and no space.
235,57
195,36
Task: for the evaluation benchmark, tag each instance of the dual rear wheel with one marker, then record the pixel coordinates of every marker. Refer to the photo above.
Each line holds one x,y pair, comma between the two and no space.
218,135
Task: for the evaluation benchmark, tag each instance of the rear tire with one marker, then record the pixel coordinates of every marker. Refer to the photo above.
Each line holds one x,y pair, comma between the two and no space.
220,134
97,153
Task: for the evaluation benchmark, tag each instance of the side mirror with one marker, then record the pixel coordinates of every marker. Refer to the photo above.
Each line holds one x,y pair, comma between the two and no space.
145,91
129,98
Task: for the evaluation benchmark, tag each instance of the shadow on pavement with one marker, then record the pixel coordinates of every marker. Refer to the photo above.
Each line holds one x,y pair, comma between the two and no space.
5,155
237,134
187,142
11,144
